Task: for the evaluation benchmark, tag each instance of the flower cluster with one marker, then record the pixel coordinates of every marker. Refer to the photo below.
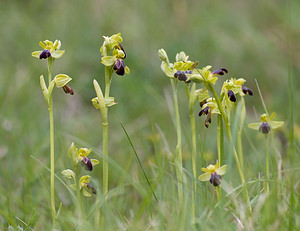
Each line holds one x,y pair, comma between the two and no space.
52,51
113,54
80,157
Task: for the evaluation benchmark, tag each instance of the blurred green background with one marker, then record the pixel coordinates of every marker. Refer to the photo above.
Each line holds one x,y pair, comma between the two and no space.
249,38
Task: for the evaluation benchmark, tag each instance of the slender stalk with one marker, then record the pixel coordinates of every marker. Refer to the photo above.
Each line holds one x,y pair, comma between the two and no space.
267,163
220,139
237,161
108,76
239,135
194,152
51,121
178,158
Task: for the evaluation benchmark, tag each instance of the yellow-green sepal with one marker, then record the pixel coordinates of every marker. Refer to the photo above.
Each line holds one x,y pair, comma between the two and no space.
61,80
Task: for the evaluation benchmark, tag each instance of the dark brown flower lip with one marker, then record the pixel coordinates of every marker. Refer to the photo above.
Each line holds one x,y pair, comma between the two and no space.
119,67
45,54
204,111
247,90
215,179
264,128
220,71
180,75
231,96
68,90
91,188
87,163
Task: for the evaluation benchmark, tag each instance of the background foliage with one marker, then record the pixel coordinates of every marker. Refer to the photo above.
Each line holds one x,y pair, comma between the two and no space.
249,38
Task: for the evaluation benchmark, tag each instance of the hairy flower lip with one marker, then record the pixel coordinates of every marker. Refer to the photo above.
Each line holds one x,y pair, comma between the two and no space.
231,96
247,90
68,90
45,54
215,179
87,163
181,76
220,71
204,111
264,128
91,188
119,67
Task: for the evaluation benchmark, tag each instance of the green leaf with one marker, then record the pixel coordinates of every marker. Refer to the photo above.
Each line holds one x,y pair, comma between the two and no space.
44,89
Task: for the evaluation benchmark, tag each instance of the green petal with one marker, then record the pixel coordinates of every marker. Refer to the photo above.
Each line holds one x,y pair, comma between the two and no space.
42,45
61,80
222,170
108,61
57,54
109,101
254,126
127,70
95,162
36,54
85,179
276,124
86,193
96,102
204,176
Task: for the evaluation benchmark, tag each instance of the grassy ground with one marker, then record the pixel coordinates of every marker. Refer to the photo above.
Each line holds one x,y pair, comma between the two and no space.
252,39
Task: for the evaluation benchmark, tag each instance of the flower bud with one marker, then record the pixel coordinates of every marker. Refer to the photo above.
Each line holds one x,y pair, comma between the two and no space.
264,128
231,96
215,179
119,67
163,55
45,54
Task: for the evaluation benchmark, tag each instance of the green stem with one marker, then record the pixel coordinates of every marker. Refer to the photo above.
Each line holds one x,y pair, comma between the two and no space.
178,158
220,140
108,76
227,125
267,163
194,152
51,121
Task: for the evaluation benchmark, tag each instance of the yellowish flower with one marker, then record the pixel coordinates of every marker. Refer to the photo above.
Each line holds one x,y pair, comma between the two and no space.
50,49
264,125
213,173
